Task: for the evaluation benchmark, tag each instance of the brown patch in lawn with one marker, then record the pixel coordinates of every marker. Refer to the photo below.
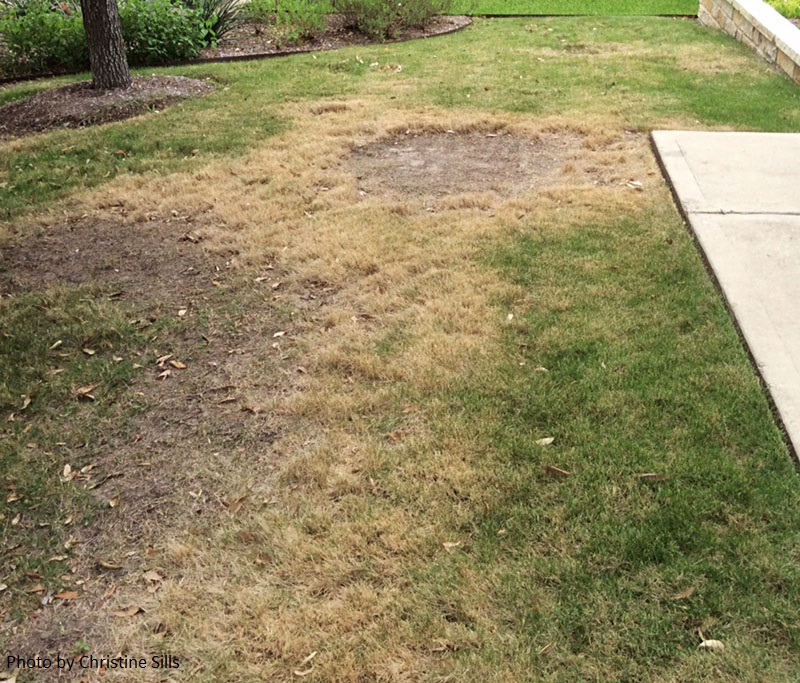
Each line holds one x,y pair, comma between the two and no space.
446,163
160,261
379,306
174,447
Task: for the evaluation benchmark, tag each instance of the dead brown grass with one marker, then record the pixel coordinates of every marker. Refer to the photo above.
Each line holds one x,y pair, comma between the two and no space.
310,543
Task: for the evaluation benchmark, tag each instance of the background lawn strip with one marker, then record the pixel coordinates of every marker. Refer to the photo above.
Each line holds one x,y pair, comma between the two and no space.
574,7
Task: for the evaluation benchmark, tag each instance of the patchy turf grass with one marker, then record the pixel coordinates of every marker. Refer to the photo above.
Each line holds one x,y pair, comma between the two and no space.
347,480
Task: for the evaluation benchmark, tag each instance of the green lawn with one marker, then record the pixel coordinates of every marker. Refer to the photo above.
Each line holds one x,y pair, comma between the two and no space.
575,7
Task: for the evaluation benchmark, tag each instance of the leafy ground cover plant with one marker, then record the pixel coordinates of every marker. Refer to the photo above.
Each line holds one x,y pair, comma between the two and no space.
291,20
38,37
158,31
384,19
219,16
788,8
302,19
41,37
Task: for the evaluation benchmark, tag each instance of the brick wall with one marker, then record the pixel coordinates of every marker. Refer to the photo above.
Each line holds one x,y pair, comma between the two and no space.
758,26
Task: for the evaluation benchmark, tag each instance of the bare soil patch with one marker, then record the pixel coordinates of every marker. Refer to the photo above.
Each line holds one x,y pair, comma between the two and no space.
437,164
161,260
171,443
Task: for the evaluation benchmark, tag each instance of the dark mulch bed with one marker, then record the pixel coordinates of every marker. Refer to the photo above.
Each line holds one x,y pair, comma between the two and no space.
78,104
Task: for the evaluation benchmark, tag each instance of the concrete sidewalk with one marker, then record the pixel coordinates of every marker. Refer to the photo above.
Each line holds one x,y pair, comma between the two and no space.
741,195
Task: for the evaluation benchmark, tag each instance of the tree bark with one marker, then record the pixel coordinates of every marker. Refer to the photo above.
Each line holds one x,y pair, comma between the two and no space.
106,47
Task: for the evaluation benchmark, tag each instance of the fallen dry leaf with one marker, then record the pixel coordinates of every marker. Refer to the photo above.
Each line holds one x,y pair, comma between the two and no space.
131,611
236,505
652,477
153,576
89,352
66,595
450,545
712,645
85,392
38,588
177,365
546,441
685,594
113,566
557,471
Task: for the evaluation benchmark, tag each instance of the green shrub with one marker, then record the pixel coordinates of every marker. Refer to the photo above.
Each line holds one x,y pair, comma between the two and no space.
382,19
40,40
259,11
788,8
220,16
301,19
293,20
157,31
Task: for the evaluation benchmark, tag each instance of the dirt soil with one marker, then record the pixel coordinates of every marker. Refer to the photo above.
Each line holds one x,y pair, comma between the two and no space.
449,163
170,468
78,105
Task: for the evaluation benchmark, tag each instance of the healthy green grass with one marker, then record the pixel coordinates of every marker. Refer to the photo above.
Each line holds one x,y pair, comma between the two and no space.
596,575
575,7
595,563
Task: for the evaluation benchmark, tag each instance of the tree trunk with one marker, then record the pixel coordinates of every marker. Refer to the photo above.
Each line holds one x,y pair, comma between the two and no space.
106,47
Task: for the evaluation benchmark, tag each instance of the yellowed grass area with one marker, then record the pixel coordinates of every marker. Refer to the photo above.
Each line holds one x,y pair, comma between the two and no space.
369,487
